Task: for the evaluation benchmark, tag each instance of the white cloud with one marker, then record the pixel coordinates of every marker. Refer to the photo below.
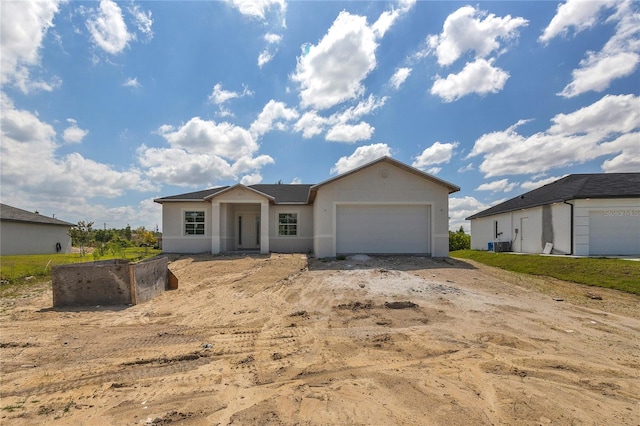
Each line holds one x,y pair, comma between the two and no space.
388,18
261,9
24,25
202,152
270,50
341,123
272,38
364,107
271,13
210,138
108,29
628,161
220,96
459,208
436,154
618,58
143,21
502,185
73,133
579,14
30,165
273,115
399,77
251,179
296,181
608,127
176,166
466,168
465,30
132,82
350,133
362,155
479,77
246,164
332,71
265,57
310,124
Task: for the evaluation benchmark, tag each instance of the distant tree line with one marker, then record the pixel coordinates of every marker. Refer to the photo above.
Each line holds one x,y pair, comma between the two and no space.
459,240
85,235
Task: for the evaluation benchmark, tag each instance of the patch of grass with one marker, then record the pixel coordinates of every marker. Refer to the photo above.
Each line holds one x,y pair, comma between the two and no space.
26,270
618,274
14,407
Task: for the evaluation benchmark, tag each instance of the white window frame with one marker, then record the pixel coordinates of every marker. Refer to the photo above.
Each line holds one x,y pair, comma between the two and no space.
296,224
203,223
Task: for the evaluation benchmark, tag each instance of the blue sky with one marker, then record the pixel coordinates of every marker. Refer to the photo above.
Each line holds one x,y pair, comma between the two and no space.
106,106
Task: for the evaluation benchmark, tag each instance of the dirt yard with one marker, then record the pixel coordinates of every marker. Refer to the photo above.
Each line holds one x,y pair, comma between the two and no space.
281,340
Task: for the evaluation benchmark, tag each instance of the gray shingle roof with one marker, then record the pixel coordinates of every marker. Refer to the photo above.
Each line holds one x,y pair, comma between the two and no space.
572,187
282,193
13,214
192,196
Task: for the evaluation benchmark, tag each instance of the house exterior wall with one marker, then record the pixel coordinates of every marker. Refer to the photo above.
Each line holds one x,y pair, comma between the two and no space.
535,226
174,239
618,218
382,183
33,238
303,242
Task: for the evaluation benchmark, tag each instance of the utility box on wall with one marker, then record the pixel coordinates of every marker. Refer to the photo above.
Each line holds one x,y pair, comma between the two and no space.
110,282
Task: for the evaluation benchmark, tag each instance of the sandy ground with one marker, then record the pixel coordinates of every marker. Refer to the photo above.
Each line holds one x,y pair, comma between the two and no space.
282,340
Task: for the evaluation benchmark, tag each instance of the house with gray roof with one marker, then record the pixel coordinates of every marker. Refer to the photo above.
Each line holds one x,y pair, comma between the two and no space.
25,232
382,207
580,214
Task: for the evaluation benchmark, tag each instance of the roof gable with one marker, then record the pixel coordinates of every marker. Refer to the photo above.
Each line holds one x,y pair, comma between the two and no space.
451,187
14,214
239,186
572,187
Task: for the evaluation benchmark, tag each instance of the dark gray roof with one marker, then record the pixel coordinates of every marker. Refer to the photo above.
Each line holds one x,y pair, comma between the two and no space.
572,187
13,214
192,196
282,193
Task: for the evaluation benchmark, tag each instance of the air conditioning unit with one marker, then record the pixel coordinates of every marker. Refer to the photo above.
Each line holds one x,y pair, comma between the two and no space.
502,246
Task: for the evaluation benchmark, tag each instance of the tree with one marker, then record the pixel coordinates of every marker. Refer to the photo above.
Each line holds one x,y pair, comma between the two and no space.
80,234
459,240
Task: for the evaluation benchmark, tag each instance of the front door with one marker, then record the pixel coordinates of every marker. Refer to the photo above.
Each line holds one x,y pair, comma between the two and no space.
248,231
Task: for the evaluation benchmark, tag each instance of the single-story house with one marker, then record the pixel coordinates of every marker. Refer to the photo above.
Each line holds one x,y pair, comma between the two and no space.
24,232
580,214
382,207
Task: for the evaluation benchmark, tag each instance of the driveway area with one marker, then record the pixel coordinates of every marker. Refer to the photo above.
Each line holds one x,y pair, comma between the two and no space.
286,340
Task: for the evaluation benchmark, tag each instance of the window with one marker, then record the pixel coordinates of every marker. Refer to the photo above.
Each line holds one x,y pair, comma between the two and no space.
194,223
287,224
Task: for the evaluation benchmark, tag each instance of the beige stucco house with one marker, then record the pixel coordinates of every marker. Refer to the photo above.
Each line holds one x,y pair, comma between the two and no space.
383,207
25,232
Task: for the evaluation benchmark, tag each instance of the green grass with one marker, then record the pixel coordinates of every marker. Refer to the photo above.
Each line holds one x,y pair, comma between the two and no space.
15,269
618,274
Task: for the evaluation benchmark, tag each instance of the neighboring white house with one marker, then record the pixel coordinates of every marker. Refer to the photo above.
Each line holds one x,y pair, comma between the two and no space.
24,232
580,214
383,207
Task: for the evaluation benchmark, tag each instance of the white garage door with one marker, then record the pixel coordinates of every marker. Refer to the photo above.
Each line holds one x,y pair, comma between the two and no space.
614,232
383,229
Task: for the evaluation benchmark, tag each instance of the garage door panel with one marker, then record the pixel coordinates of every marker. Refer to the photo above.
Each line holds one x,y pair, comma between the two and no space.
614,232
382,229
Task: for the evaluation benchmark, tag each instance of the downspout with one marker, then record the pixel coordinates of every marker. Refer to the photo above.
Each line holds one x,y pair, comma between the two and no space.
571,227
